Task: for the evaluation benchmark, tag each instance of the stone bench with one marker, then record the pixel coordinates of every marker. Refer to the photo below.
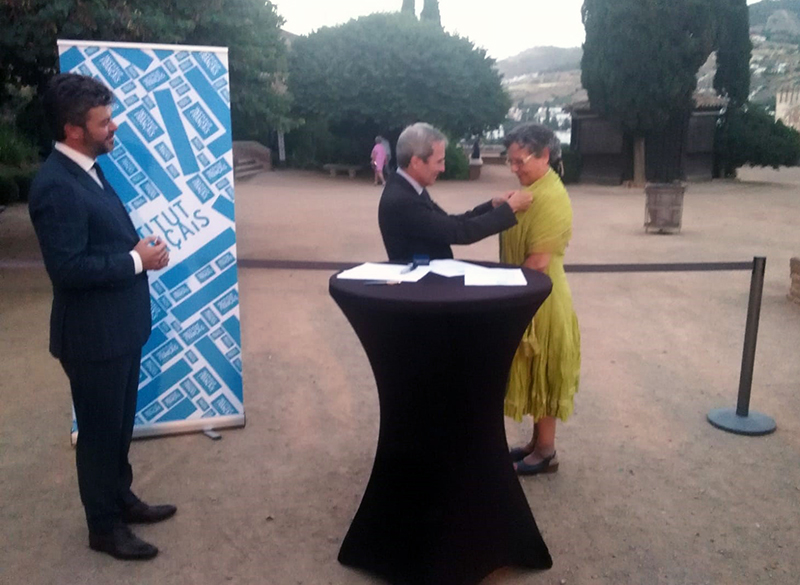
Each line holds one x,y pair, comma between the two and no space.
351,170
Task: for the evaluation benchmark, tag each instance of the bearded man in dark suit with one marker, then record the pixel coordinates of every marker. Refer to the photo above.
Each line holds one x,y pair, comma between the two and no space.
100,316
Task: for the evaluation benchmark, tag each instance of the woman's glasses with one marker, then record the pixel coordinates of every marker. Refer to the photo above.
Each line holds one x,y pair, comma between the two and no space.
518,163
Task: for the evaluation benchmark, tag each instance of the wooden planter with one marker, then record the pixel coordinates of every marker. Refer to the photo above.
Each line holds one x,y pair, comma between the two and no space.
663,207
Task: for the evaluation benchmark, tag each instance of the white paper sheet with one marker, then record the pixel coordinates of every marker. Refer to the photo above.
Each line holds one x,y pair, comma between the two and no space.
480,276
474,275
384,272
450,268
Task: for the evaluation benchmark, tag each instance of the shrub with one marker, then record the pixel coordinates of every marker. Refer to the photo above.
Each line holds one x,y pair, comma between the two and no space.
16,183
24,178
456,164
749,135
15,151
9,191
315,143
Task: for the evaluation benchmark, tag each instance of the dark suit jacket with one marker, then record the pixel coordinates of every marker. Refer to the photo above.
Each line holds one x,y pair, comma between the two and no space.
413,224
101,309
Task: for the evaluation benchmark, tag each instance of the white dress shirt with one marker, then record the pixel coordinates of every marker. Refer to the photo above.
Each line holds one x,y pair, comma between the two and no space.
417,187
87,164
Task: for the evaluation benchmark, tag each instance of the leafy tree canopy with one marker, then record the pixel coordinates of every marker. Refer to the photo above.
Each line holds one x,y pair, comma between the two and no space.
385,71
250,28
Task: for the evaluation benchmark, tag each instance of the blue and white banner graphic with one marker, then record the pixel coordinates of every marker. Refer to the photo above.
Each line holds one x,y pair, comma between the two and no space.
172,166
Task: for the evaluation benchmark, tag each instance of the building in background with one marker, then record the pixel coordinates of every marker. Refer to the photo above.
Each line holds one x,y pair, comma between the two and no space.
606,151
787,107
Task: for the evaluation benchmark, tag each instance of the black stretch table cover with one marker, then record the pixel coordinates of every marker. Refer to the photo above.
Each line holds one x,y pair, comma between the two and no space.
443,505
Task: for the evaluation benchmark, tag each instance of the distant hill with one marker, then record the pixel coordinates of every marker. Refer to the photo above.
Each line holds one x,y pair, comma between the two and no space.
777,20
552,75
541,60
761,11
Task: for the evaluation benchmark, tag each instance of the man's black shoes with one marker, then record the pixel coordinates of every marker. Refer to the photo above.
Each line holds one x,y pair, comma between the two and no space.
122,544
141,513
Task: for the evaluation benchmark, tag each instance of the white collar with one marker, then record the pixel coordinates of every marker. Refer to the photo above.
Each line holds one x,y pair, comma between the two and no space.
80,159
417,187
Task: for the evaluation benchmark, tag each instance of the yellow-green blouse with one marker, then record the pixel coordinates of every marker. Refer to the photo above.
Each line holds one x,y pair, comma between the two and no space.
545,372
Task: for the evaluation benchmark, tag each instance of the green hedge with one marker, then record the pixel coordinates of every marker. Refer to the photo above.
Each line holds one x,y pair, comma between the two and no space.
750,135
456,164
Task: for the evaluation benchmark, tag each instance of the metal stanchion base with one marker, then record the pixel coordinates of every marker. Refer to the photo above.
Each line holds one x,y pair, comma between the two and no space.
754,423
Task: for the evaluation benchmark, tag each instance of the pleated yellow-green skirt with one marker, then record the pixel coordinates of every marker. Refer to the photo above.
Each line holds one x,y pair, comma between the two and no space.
545,373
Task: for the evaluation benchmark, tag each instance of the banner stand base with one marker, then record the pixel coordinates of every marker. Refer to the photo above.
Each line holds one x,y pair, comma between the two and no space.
182,427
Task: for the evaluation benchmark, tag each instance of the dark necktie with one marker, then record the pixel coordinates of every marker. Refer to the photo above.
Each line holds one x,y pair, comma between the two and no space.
108,189
100,175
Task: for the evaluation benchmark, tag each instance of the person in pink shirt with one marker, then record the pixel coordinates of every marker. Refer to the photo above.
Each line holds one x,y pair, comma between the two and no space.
378,160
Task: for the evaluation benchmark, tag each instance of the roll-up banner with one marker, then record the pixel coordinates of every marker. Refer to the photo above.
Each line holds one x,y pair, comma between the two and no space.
172,167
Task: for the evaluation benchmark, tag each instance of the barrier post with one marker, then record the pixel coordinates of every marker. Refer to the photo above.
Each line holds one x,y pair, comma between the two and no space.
740,420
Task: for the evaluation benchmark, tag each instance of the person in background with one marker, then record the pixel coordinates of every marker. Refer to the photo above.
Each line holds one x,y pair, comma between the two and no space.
476,148
378,160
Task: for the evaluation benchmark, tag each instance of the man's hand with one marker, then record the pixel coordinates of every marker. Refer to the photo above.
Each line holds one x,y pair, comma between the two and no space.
498,201
520,201
153,252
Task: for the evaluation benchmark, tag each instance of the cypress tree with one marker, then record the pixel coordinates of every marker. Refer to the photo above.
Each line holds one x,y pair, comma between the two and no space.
430,12
733,52
639,67
409,8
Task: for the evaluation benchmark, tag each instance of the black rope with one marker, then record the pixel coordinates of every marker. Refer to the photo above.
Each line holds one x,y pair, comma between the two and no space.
248,263
576,268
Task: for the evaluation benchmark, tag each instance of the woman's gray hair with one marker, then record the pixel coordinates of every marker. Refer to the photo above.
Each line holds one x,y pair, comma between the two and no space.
535,138
417,140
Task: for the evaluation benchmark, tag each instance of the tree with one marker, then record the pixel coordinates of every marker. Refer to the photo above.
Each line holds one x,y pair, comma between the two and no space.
733,52
409,8
430,13
250,28
639,67
379,73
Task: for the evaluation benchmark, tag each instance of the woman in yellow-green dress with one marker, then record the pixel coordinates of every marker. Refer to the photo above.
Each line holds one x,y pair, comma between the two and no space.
545,372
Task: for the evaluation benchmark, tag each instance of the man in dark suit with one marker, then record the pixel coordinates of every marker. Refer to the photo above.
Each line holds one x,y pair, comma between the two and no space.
100,317
412,224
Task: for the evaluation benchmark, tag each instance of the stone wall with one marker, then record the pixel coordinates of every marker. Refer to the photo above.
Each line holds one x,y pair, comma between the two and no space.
794,270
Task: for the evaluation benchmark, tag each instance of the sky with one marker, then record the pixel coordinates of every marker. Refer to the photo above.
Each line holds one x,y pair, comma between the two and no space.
503,27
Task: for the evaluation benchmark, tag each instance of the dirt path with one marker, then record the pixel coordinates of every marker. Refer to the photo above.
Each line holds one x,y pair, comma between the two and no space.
648,492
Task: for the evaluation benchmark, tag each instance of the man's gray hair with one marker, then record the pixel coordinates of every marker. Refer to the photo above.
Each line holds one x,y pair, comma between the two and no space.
417,140
535,138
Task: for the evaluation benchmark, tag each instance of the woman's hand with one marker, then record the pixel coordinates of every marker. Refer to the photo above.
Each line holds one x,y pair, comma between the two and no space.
538,262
